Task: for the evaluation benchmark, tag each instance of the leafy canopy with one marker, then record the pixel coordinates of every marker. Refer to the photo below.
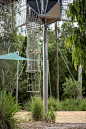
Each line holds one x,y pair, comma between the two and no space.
77,40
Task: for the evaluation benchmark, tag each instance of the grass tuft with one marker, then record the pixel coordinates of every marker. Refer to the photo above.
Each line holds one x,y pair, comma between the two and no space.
37,108
7,110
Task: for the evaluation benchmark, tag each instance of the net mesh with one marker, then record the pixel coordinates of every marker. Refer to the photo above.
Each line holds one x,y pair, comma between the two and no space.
33,52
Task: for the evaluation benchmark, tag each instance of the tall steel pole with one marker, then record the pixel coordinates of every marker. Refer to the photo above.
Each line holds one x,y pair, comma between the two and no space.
80,80
57,85
17,81
45,70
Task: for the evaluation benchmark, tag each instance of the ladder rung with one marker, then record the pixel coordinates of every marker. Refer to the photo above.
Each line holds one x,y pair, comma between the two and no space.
34,85
33,91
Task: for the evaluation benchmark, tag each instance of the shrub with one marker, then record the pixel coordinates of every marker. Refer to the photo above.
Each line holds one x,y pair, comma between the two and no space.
71,88
55,104
7,109
37,111
74,105
69,105
82,104
27,105
37,108
50,115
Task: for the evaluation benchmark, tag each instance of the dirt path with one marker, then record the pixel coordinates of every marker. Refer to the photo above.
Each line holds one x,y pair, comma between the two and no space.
64,120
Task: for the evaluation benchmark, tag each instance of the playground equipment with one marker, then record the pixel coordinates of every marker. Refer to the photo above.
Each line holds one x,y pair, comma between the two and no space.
33,52
13,15
48,11
17,13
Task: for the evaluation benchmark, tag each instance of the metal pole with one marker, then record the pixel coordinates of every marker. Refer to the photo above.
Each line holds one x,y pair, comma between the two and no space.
42,6
80,80
45,70
17,81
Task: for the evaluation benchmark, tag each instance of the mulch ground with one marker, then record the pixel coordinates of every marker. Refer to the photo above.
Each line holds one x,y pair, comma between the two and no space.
44,125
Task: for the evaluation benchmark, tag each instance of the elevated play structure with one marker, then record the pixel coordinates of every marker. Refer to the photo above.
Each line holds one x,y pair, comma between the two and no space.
33,14
33,51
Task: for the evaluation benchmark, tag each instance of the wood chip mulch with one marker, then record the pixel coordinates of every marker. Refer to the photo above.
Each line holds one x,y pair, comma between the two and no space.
45,125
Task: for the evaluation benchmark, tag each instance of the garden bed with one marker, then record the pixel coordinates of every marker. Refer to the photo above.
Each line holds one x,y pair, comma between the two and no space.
64,120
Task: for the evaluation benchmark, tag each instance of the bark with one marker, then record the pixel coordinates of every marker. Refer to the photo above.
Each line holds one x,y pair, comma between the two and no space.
57,85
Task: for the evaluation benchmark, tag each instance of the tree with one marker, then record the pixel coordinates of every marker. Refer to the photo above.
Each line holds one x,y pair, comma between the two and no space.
65,30
70,88
76,41
8,67
9,11
57,85
23,78
11,42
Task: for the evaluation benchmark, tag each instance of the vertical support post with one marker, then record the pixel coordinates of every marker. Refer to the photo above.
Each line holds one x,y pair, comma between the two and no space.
17,81
57,57
80,80
42,6
45,70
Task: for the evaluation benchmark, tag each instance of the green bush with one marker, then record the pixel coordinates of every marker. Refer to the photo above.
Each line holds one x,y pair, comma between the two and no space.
71,88
50,115
74,105
7,110
68,105
52,102
37,108
27,105
82,104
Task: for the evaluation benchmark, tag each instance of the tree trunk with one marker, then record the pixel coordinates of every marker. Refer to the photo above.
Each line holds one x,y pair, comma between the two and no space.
57,86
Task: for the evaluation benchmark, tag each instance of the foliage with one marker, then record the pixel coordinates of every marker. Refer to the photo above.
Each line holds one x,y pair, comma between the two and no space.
17,43
37,108
82,104
8,68
11,42
50,115
64,31
23,77
27,105
52,102
68,104
74,105
7,110
71,88
76,41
